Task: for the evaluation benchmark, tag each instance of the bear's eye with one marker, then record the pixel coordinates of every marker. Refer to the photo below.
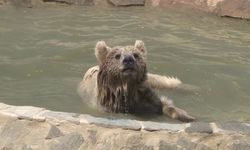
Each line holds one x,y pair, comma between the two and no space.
136,55
117,56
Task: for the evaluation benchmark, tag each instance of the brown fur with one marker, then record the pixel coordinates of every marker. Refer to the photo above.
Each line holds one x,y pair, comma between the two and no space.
121,83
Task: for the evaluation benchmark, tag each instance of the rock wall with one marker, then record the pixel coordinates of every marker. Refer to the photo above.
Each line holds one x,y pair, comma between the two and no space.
234,8
33,128
226,8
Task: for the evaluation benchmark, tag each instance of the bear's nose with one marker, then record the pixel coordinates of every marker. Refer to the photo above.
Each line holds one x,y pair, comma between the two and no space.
128,60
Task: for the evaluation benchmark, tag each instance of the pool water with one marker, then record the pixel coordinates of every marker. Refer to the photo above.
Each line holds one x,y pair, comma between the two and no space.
45,51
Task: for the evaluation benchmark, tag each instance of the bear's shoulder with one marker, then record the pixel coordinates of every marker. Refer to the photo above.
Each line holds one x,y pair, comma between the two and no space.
91,72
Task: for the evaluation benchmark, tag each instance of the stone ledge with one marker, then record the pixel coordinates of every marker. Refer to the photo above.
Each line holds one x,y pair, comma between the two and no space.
117,123
27,127
155,126
201,127
41,114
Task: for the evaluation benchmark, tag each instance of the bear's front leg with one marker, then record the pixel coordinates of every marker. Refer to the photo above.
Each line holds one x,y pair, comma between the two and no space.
169,109
152,102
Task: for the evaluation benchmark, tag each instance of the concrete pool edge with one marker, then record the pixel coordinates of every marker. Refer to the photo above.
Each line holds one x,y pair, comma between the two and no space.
196,135
41,114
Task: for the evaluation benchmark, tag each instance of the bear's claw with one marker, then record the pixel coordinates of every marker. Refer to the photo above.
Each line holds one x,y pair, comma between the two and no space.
179,114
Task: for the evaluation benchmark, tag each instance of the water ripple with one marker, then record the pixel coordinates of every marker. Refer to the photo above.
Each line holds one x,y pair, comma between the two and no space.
44,51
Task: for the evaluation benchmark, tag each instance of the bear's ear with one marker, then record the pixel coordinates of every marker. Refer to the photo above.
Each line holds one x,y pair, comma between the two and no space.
101,51
140,46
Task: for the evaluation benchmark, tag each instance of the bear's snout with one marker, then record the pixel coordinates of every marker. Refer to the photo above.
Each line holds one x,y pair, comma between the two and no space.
128,64
128,60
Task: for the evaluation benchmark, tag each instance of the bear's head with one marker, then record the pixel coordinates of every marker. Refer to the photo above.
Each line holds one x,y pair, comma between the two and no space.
122,63
122,70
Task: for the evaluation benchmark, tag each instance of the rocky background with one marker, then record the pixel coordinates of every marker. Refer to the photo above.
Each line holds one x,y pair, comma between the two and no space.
34,128
225,8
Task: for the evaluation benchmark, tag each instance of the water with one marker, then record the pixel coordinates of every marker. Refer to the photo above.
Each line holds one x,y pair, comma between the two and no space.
45,51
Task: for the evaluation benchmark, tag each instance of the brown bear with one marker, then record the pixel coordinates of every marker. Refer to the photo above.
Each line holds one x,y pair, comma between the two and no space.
121,84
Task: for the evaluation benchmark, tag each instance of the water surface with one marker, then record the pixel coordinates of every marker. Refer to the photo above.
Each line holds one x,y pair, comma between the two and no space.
45,51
